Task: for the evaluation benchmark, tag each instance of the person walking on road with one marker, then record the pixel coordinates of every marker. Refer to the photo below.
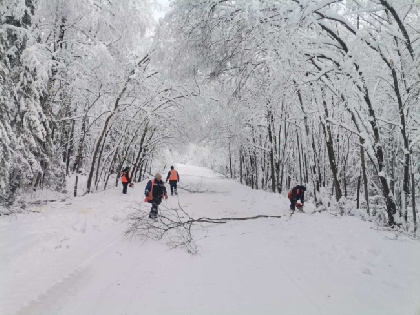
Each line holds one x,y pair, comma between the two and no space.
173,178
155,191
125,179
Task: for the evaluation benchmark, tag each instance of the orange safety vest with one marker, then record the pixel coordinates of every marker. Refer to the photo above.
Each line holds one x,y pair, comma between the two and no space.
124,177
150,196
174,175
290,194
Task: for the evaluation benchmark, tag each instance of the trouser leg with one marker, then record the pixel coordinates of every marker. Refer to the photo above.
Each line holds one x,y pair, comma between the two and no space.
155,208
173,186
125,188
292,204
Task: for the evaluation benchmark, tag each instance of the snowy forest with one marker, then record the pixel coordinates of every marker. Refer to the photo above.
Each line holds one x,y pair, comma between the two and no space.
251,109
271,93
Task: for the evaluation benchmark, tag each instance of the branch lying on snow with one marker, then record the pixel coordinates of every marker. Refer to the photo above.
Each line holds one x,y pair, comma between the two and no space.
175,226
44,202
397,233
319,210
196,190
223,220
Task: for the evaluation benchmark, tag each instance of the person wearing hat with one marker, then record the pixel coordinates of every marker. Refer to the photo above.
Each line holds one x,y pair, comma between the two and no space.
295,194
173,178
155,191
125,179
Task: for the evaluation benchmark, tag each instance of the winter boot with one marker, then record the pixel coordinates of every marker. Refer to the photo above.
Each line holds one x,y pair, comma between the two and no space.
153,212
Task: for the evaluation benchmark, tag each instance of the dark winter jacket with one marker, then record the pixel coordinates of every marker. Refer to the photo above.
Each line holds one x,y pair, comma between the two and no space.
159,189
298,192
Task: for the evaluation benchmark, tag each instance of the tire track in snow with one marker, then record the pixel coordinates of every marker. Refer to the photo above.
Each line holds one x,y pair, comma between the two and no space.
48,302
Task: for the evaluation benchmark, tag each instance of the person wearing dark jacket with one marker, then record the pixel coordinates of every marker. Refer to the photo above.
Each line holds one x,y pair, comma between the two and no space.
297,193
173,177
155,191
125,179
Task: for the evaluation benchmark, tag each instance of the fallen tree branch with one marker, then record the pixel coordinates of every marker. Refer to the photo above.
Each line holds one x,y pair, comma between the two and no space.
319,210
222,220
197,191
175,226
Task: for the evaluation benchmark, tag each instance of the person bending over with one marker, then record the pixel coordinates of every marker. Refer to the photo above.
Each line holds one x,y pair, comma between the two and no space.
295,194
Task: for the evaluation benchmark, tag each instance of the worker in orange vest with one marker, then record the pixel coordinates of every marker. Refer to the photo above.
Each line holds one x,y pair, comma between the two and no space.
173,177
155,191
125,179
296,194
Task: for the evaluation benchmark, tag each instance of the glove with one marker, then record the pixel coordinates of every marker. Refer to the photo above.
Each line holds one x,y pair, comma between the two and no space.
303,204
146,193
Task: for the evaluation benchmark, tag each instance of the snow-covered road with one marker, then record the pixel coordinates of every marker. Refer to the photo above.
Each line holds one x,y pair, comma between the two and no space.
72,258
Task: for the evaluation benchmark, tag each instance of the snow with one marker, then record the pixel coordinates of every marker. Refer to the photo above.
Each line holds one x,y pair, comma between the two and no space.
72,258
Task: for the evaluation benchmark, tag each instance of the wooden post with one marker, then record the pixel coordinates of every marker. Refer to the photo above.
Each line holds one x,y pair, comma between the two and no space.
75,185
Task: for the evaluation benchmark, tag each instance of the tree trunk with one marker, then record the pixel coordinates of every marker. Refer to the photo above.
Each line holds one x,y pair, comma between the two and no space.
389,198
300,159
308,137
99,160
230,162
331,154
358,192
406,179
139,155
111,166
273,174
413,202
70,147
95,153
365,179
240,166
78,160
284,158
108,119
